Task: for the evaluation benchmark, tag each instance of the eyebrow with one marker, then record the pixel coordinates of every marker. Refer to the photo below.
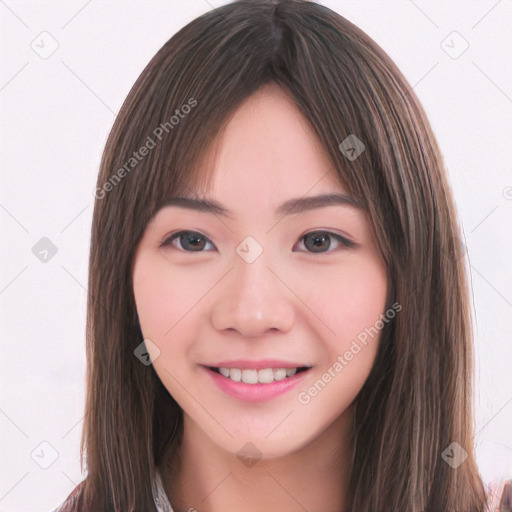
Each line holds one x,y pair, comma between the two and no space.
289,207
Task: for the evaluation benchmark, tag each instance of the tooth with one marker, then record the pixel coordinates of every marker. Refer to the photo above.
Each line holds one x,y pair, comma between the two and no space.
266,376
235,374
252,376
279,374
249,376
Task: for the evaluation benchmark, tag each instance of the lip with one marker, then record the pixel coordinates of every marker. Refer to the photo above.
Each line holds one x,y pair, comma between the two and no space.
254,392
257,365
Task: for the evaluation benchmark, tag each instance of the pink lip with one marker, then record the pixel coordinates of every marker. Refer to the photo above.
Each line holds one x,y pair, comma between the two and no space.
254,392
257,365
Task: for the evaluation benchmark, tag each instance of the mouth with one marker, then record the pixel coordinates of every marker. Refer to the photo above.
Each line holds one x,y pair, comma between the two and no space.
257,385
261,376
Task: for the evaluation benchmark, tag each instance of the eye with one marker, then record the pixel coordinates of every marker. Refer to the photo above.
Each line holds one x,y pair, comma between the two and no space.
315,241
321,241
190,241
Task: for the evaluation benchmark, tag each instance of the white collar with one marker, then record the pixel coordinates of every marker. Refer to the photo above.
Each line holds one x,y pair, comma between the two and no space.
161,499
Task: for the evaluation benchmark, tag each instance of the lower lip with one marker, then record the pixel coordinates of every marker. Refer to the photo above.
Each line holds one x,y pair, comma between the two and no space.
255,392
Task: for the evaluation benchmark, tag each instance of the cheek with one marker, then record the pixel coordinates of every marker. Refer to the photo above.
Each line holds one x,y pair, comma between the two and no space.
152,296
348,298
163,296
351,304
362,299
168,306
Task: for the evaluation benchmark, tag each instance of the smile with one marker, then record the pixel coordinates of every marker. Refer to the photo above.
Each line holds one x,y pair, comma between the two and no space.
262,376
245,384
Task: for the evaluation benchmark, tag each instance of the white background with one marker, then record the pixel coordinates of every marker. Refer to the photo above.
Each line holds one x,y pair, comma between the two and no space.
56,115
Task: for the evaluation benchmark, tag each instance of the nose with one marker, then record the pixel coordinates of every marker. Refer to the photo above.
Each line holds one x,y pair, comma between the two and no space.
253,300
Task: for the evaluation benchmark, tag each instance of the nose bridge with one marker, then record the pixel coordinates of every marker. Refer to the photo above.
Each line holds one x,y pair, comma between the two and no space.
253,300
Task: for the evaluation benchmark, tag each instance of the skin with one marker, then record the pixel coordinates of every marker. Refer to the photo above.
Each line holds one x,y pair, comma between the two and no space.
290,303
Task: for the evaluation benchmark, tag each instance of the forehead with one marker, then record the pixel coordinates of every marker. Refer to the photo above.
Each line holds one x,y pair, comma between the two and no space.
266,149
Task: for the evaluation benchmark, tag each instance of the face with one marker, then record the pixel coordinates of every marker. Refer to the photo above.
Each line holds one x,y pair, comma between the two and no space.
258,292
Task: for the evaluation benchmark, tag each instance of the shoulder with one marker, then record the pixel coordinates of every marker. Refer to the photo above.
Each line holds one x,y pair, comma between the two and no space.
71,503
500,496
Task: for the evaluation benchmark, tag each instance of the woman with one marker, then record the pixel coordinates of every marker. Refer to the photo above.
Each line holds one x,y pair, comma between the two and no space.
316,354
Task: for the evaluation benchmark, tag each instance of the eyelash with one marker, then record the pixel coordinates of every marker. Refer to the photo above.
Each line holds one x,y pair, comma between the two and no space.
345,242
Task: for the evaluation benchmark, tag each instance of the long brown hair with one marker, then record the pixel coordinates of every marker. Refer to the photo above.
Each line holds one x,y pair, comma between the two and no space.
417,399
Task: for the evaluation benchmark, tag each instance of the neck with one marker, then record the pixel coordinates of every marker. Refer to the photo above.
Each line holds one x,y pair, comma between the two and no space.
199,475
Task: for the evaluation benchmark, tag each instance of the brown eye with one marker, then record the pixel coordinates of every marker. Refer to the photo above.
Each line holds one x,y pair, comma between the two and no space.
190,241
321,241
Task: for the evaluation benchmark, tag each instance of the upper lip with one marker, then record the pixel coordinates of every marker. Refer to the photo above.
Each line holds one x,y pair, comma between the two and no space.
257,365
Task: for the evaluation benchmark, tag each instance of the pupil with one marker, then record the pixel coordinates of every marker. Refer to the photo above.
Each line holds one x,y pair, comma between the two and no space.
320,241
194,240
